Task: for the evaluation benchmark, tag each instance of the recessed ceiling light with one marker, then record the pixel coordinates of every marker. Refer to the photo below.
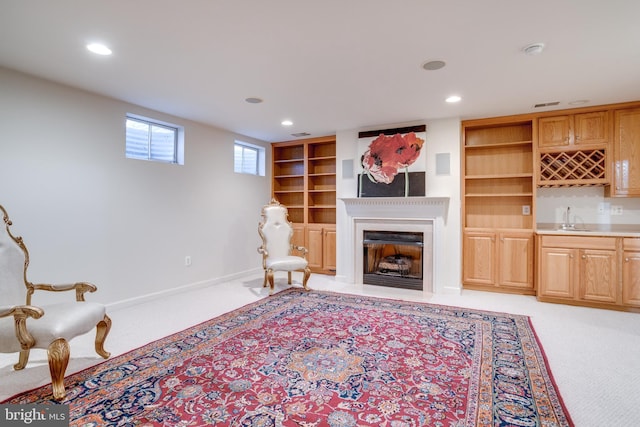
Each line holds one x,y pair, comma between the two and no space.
533,49
253,100
579,102
433,65
286,123
99,49
453,98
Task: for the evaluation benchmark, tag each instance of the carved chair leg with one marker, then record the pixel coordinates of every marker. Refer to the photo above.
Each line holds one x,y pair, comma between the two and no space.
288,277
22,360
307,273
102,330
58,354
271,284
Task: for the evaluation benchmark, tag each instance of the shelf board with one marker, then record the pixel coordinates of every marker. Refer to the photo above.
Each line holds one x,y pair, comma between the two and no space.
322,174
507,175
499,195
288,176
501,144
288,191
322,158
288,161
333,190
322,207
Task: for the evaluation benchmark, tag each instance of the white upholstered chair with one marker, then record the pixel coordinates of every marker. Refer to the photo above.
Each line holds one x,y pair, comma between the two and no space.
24,326
277,250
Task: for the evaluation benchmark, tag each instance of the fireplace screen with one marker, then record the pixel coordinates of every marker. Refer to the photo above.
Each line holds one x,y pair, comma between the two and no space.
393,259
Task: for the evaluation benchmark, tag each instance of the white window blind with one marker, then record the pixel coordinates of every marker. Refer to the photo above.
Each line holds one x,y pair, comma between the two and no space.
148,140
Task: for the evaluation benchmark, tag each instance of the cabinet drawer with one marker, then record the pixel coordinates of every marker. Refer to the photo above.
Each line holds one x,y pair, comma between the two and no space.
579,242
631,244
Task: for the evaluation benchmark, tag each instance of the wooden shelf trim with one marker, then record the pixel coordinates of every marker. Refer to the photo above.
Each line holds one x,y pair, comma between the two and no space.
498,194
498,144
494,176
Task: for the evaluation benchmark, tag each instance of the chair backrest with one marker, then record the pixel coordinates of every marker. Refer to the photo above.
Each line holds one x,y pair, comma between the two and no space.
276,230
14,259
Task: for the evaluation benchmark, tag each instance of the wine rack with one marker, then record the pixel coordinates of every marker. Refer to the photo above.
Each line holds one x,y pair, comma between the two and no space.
578,168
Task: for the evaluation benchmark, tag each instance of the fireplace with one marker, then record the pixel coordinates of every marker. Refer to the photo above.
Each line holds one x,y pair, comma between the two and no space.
423,216
393,258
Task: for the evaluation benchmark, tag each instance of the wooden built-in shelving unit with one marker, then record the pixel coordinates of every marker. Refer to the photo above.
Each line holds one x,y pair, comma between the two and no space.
498,204
304,180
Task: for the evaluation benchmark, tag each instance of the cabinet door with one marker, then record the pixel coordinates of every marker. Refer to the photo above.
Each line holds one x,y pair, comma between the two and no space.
515,266
555,131
298,236
557,272
627,153
329,250
631,279
591,128
479,258
314,244
598,278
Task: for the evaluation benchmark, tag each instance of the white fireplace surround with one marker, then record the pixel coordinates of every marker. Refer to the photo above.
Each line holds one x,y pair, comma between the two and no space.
408,214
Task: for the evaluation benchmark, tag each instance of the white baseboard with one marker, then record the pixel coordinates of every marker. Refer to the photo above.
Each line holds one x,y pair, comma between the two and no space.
180,289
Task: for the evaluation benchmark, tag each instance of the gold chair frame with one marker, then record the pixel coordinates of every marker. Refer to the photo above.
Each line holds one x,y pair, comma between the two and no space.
58,351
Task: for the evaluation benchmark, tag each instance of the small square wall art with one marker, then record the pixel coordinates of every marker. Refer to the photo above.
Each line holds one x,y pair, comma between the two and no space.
392,162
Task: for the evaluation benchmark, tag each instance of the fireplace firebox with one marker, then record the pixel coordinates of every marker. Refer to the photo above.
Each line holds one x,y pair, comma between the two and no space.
393,258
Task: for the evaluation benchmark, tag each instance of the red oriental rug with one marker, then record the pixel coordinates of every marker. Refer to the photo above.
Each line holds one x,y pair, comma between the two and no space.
326,359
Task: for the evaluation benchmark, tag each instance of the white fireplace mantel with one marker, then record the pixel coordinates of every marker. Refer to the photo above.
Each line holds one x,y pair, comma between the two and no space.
396,214
396,207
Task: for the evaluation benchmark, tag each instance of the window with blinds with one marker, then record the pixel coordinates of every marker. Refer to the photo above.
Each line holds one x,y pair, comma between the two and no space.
248,159
151,140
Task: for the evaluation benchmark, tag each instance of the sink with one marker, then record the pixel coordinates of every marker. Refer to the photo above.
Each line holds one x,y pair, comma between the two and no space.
572,229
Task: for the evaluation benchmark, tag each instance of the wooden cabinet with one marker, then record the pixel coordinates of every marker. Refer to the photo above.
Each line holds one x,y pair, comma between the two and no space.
498,260
478,267
631,272
626,153
574,130
498,204
321,242
576,269
515,260
557,277
598,275
304,180
573,149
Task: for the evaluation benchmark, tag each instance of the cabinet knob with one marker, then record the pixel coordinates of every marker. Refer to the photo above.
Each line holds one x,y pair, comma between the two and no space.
584,257
570,255
626,260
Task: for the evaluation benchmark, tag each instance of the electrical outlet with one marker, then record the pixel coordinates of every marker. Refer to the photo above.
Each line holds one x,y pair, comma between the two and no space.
526,210
616,210
187,260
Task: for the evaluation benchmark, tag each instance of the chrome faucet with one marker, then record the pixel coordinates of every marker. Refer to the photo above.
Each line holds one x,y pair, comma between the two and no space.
567,219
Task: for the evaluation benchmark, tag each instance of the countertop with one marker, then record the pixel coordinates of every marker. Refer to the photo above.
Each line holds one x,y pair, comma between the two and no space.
608,230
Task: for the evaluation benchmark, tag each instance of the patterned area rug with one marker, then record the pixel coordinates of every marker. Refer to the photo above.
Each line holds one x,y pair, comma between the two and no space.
326,359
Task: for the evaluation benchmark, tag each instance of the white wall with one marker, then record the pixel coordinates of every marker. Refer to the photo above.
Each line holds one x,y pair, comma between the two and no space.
88,213
552,203
443,136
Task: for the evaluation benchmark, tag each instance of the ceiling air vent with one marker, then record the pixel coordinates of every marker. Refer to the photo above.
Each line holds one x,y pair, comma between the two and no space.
546,104
299,134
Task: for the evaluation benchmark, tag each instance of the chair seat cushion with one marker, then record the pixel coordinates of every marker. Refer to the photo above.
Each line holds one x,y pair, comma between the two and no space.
64,320
286,263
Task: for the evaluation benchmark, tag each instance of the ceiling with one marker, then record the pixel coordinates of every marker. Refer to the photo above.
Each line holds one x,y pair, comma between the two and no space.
330,65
